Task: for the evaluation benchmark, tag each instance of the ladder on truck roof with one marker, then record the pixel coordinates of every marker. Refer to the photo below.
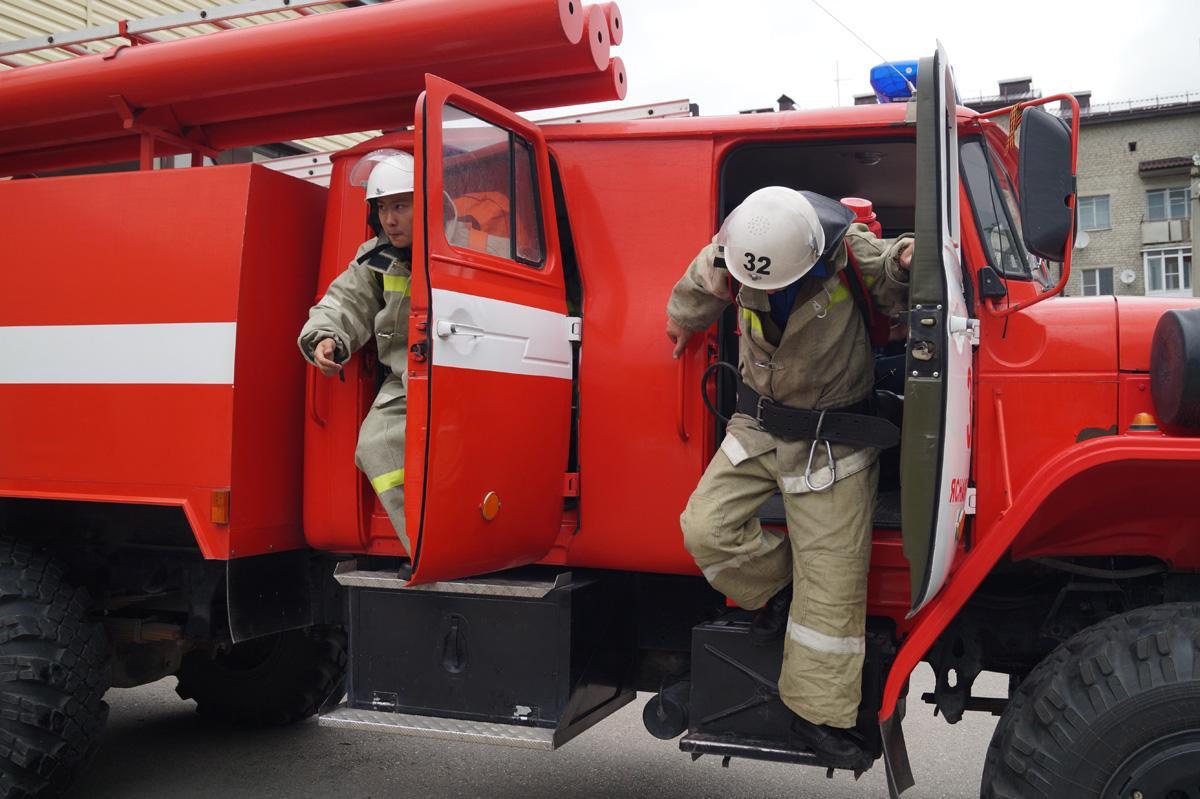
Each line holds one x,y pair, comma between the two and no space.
141,31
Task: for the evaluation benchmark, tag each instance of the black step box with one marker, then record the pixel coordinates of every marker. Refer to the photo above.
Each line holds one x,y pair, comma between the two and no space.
734,682
560,661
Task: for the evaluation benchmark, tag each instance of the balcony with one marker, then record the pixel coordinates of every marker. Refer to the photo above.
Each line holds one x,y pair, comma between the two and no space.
1167,231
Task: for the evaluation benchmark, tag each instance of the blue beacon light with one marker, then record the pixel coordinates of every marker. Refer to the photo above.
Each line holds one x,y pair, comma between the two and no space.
889,80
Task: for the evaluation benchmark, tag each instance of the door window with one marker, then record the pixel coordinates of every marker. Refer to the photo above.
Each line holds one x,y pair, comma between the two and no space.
491,180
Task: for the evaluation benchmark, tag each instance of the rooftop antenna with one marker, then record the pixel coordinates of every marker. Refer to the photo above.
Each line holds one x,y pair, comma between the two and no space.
903,77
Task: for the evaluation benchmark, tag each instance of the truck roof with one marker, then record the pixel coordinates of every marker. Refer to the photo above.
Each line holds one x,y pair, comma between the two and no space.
846,118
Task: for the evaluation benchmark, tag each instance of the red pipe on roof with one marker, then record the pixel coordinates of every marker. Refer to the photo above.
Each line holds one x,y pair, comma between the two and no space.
402,35
611,84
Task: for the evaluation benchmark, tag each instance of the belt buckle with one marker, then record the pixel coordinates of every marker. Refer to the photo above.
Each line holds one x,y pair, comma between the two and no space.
758,407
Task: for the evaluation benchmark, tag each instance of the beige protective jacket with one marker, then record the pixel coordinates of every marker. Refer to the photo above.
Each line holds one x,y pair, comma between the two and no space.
822,359
368,299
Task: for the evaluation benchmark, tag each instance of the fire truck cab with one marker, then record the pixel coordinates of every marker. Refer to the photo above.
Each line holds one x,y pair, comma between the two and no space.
552,441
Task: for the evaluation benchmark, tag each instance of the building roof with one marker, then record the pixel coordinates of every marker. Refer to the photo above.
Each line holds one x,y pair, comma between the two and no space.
1173,105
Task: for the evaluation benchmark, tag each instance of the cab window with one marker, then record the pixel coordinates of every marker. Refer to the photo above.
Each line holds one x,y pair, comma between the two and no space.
995,206
490,178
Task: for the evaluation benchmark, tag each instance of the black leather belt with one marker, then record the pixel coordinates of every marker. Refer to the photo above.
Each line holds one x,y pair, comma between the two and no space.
853,424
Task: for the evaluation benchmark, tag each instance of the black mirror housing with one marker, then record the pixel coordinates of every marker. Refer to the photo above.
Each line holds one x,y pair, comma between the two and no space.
1044,166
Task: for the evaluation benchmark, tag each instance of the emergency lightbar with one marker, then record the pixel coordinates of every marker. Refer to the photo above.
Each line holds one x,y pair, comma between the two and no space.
894,81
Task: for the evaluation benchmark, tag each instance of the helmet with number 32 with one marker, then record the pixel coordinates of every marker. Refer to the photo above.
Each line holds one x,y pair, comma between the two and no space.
772,239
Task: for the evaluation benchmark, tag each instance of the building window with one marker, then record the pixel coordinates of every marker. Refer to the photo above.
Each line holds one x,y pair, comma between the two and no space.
1168,204
1097,282
1093,212
1169,271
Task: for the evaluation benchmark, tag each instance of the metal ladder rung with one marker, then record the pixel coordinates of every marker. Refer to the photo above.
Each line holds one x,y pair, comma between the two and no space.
140,27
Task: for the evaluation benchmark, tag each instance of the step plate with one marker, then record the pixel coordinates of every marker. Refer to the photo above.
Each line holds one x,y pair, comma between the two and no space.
480,732
698,743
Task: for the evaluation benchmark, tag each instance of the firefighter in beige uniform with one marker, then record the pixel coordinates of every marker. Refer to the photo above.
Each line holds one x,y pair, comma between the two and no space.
371,298
806,372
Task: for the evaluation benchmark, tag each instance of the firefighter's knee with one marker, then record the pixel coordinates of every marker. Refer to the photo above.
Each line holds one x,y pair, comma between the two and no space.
702,521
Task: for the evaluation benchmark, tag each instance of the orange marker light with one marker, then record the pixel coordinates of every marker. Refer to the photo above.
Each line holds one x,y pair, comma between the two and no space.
220,506
1143,423
490,506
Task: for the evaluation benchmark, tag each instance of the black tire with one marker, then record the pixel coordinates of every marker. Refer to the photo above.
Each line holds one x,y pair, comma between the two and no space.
1113,712
275,680
54,672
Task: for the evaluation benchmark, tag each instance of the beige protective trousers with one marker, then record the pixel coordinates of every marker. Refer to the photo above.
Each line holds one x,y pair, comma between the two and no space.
380,451
827,561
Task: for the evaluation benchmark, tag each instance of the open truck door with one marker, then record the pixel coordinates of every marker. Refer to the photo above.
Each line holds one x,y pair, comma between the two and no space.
936,439
491,363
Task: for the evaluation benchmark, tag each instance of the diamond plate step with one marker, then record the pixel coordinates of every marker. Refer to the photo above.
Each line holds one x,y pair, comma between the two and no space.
348,574
480,732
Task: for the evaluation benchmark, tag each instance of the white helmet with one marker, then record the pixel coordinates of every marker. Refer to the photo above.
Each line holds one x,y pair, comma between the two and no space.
384,173
772,239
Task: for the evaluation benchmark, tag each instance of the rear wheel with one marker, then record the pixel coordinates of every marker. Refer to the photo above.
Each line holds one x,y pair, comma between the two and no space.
53,675
277,679
1114,712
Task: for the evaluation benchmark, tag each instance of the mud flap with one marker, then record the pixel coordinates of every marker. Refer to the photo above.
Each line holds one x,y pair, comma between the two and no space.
895,756
268,594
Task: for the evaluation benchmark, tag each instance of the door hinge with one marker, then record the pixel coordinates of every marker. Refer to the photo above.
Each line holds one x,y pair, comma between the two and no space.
961,325
574,328
969,503
571,484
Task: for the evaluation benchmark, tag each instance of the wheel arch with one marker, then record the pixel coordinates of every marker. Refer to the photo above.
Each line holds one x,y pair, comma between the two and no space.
998,539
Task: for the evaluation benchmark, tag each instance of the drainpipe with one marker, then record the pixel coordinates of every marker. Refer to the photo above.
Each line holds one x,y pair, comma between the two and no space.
1195,223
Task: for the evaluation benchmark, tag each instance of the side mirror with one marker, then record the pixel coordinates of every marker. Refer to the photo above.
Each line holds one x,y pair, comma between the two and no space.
1047,184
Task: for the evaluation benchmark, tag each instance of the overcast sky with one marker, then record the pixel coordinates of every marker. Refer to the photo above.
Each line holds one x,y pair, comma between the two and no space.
729,55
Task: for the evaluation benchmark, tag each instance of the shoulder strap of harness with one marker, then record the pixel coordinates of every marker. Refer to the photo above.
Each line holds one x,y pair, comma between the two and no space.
879,327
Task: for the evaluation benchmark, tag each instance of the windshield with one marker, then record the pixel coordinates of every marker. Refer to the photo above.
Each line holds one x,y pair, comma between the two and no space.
995,203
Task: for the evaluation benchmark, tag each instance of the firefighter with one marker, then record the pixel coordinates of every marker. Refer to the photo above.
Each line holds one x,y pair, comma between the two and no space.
371,298
803,427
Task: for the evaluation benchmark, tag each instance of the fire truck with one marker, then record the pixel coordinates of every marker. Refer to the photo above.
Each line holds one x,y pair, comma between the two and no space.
179,493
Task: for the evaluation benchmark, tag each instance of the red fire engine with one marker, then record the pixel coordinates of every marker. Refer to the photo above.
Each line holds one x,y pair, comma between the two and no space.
179,494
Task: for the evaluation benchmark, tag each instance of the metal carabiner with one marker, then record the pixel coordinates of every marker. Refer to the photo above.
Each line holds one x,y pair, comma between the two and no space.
812,451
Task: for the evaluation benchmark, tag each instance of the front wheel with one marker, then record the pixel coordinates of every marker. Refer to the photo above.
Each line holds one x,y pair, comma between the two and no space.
1113,713
274,680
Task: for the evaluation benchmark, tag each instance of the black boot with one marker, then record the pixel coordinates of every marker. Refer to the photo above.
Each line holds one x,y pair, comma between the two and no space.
771,619
834,746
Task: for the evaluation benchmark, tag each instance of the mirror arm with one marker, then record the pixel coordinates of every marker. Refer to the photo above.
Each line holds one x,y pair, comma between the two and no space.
992,306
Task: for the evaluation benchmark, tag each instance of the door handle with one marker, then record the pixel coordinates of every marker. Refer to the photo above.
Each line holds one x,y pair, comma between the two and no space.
445,329
313,378
680,408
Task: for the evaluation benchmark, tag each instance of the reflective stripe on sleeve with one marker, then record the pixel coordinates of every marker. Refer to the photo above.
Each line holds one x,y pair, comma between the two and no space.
820,642
387,480
397,283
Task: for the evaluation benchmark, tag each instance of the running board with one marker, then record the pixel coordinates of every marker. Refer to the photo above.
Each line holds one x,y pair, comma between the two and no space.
414,726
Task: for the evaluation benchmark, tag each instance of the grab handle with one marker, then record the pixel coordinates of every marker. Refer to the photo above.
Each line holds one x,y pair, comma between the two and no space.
680,416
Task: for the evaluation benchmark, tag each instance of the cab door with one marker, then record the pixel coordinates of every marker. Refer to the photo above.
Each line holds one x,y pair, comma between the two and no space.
936,438
490,364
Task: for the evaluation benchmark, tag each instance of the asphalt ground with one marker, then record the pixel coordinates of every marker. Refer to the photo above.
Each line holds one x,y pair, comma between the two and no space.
156,746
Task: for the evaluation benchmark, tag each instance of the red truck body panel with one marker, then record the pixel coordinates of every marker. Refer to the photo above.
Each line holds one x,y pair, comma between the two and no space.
228,250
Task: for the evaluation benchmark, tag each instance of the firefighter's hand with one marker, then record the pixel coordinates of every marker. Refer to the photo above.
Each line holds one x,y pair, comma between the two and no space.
678,335
323,354
905,256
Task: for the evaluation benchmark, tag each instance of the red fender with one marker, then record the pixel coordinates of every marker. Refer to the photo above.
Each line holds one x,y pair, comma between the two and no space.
930,623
